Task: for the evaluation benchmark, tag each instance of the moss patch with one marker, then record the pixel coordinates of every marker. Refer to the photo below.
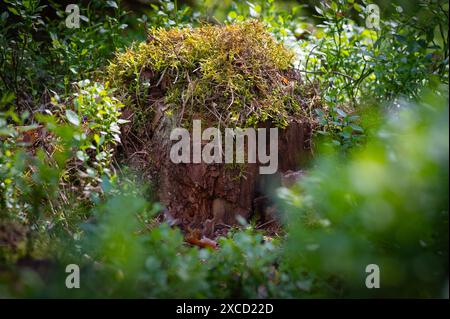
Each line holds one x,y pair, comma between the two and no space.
235,75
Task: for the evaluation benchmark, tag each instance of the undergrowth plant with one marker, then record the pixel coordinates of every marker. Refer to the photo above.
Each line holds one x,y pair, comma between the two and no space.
386,204
40,55
42,164
98,112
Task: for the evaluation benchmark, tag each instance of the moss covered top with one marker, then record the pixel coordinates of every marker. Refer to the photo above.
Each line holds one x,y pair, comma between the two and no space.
236,74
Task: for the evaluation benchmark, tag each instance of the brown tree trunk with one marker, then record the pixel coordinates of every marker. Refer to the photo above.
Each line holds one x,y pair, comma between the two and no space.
204,196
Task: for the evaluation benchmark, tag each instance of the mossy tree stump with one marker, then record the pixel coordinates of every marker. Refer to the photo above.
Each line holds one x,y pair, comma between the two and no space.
226,76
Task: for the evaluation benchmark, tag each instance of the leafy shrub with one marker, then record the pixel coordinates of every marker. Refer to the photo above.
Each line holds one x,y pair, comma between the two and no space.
355,65
411,51
38,54
385,204
398,58
244,266
168,14
31,176
98,113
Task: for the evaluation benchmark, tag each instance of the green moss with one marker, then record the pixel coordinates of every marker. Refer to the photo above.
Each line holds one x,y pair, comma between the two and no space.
237,75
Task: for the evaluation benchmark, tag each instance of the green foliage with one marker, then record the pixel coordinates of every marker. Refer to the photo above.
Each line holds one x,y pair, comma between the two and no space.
281,22
387,204
38,54
351,62
168,14
118,247
396,59
245,266
30,180
411,51
338,57
97,108
82,52
341,129
19,50
173,269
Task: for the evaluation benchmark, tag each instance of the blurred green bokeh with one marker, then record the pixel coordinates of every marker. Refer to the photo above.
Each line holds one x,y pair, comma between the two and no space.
386,204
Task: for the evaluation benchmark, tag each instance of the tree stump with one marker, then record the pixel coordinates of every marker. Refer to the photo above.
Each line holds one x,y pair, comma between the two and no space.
227,76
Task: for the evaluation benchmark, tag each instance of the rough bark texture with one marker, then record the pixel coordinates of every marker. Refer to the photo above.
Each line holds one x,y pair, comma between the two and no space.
203,196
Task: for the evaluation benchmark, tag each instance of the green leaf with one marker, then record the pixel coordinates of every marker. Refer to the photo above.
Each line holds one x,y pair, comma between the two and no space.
232,15
319,11
357,128
97,139
112,4
81,156
13,11
334,6
4,16
340,112
357,7
72,117
26,4
348,129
